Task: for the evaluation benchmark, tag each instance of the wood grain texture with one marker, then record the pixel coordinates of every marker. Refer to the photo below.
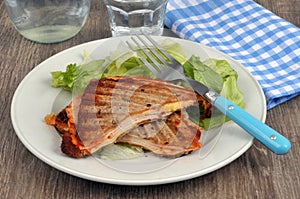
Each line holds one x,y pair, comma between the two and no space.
256,174
289,10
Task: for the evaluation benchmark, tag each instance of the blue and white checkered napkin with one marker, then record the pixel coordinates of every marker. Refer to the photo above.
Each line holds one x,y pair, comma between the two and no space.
267,45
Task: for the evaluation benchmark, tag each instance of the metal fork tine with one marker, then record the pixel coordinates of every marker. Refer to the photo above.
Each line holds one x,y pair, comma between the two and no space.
158,65
156,45
149,66
153,51
161,68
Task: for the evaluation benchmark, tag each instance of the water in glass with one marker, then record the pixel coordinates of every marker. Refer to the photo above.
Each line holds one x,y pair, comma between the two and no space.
133,16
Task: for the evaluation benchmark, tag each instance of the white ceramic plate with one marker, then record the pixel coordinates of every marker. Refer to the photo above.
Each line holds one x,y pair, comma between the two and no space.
34,98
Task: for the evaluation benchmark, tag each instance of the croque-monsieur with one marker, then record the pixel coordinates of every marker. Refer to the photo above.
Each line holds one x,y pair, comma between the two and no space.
140,111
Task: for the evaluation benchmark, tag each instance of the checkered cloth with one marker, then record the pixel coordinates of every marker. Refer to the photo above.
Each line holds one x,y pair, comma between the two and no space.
267,45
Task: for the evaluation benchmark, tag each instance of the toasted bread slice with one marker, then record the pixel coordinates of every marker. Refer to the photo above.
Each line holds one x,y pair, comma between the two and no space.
172,137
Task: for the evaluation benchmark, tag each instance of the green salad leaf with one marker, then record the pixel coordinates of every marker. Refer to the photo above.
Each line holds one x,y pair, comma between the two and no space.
199,71
120,152
130,67
230,77
77,77
219,76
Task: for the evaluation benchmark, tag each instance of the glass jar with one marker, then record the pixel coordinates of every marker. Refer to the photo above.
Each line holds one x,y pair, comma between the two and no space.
48,21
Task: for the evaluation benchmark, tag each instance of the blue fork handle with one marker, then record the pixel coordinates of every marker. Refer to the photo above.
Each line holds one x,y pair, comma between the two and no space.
266,135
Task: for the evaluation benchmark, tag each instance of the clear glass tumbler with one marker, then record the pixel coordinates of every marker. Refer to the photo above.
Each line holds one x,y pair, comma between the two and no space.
135,16
48,21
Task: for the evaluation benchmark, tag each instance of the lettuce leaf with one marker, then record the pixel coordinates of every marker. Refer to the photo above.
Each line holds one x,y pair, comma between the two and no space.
230,88
200,72
77,77
65,79
120,152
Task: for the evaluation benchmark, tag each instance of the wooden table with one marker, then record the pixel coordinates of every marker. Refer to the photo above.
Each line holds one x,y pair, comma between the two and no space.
256,174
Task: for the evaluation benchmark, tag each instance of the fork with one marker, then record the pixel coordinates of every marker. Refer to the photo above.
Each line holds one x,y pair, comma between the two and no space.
165,67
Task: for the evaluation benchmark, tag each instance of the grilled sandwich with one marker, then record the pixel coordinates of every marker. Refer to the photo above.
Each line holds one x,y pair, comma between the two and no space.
118,109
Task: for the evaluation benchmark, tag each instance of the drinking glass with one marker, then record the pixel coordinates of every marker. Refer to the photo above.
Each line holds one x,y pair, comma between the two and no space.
135,16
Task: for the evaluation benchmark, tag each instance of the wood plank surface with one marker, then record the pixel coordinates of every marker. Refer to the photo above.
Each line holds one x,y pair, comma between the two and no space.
256,174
